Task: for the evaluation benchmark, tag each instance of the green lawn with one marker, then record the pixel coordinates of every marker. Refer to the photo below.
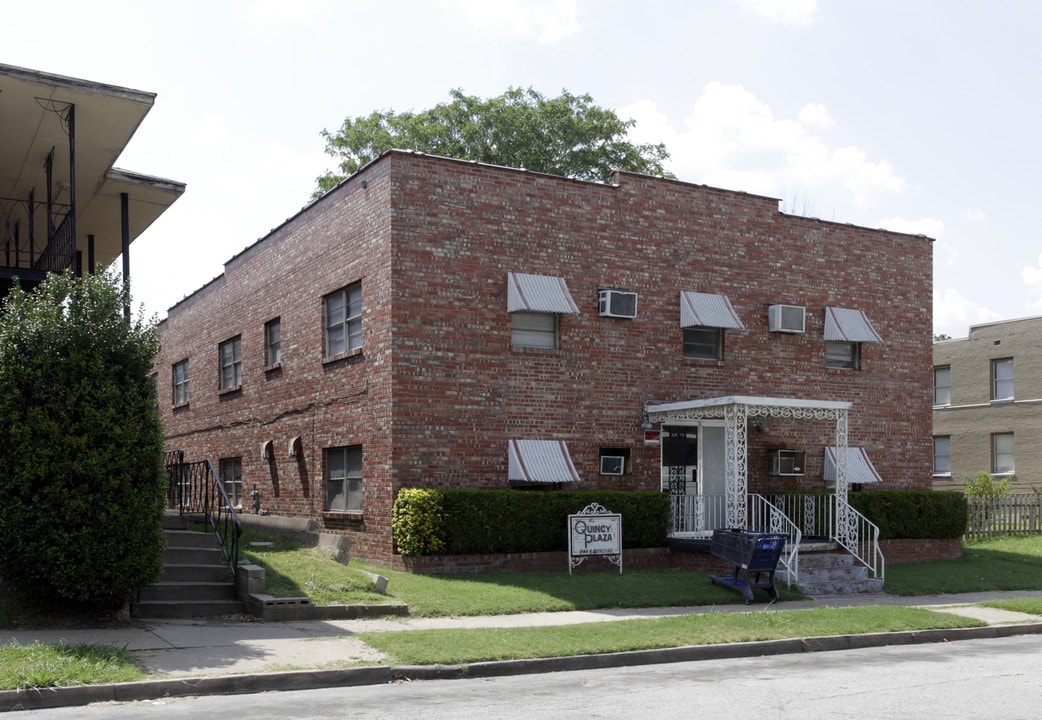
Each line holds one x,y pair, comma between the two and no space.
1013,563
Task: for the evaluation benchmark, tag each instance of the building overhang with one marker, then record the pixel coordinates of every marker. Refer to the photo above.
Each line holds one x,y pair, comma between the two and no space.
716,407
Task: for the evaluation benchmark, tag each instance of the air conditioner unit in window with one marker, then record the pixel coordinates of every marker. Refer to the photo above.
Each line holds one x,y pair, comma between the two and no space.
788,462
786,318
617,303
613,464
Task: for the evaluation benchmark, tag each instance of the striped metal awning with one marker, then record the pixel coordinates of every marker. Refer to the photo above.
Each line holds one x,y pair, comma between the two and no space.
707,310
539,293
847,325
541,461
859,468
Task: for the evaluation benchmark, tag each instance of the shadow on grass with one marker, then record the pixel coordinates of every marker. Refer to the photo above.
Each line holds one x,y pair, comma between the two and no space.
1013,563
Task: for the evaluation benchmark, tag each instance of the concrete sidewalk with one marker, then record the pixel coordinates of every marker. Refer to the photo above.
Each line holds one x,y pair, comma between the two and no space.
245,655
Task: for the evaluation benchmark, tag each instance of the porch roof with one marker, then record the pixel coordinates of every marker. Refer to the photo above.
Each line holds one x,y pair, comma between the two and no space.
714,407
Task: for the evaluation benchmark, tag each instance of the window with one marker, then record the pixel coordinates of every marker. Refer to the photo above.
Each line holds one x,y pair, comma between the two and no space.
180,376
344,479
1002,453
231,478
534,329
273,342
942,385
841,354
1002,379
343,319
231,363
704,342
942,455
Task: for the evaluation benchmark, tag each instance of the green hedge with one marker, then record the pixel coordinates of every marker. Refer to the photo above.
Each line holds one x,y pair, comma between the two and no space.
914,513
433,521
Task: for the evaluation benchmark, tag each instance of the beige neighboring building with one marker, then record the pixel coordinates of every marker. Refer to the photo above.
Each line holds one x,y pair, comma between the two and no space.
987,413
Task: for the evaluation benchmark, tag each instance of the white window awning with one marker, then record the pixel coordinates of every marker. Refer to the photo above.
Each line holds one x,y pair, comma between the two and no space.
707,310
539,293
541,461
860,469
846,325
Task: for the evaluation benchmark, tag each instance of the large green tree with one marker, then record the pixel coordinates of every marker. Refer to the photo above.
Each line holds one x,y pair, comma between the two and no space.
82,485
567,135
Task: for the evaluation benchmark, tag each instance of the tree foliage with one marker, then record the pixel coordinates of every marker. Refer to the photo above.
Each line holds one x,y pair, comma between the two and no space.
568,135
82,485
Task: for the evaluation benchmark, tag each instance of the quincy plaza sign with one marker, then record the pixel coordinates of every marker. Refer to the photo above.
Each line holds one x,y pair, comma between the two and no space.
594,531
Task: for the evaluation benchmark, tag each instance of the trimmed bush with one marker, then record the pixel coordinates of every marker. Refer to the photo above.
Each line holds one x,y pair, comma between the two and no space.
82,484
914,514
462,522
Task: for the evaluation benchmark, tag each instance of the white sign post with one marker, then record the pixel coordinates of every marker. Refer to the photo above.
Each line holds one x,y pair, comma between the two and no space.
594,531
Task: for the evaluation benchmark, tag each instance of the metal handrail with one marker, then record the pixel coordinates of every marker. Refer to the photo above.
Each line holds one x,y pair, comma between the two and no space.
861,538
764,516
196,489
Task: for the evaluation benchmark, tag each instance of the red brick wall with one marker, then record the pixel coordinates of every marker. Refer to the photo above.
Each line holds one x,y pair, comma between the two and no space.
438,390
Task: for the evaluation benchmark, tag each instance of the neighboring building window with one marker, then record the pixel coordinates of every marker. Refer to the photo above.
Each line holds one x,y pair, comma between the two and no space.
273,342
840,354
1002,379
534,329
343,319
231,363
942,385
344,479
704,342
1002,453
180,375
231,478
942,455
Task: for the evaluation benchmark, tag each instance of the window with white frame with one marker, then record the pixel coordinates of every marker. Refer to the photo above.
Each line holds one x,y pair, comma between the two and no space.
1002,454
1002,379
942,455
942,385
273,342
180,382
342,311
842,354
344,479
231,478
534,329
230,352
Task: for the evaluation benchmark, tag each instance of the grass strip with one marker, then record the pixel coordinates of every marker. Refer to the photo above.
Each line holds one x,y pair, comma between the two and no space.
453,647
1003,563
1030,606
45,666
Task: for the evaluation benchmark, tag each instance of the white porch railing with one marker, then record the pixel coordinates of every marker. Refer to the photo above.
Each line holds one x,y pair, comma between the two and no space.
699,515
817,517
796,516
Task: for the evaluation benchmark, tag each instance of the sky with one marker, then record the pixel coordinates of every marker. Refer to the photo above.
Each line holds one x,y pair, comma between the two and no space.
919,116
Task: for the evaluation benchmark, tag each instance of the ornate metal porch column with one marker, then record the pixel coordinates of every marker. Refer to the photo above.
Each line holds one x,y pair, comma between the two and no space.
846,523
736,448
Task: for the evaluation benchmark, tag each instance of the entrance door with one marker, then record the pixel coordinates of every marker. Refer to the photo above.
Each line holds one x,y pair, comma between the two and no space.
693,473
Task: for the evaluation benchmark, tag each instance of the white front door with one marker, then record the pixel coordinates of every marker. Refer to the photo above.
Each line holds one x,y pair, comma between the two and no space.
693,473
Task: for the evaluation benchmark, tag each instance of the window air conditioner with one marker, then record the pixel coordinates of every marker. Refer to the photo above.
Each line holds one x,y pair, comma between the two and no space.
788,462
617,303
786,318
613,464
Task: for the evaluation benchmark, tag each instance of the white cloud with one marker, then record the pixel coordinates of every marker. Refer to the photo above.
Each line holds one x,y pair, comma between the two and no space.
277,13
545,21
788,12
954,313
930,227
974,215
1032,275
733,140
816,114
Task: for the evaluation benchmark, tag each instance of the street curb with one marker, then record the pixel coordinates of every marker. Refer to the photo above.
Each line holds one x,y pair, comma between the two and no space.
385,674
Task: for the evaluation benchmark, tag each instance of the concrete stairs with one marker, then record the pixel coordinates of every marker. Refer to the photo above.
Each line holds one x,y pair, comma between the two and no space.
196,581
834,572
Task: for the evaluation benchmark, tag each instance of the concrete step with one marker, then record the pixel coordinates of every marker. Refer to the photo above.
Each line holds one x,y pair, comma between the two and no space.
195,572
833,574
189,539
193,556
173,521
863,586
825,560
186,608
187,590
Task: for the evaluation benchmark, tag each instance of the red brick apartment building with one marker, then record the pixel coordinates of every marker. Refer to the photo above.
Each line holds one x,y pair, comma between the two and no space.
435,322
